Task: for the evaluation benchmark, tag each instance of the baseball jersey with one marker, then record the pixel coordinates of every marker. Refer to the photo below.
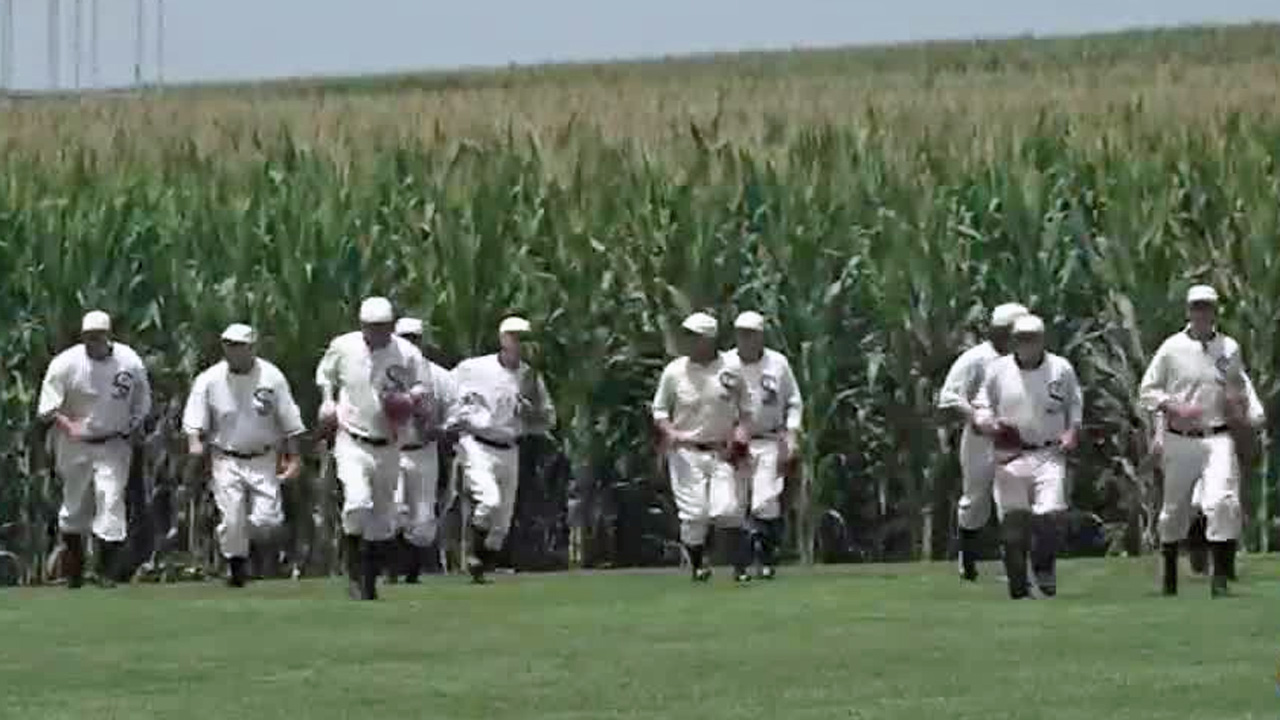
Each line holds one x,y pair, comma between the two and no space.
1191,371
1043,402
490,397
772,392
704,401
965,378
361,374
111,396
440,401
242,412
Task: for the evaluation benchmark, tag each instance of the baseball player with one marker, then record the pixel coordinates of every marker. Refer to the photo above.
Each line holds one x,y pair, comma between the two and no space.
977,464
1197,381
95,396
776,413
242,411
371,384
500,399
415,496
1032,406
702,410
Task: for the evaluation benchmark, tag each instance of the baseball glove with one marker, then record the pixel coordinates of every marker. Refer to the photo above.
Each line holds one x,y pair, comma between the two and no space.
1007,437
398,407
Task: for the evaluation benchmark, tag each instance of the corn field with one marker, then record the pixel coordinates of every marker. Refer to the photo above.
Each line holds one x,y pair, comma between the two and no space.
875,204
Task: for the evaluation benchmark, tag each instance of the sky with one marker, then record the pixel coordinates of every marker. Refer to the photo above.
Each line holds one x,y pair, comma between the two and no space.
254,39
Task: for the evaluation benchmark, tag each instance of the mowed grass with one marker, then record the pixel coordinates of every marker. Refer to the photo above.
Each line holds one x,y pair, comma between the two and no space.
905,641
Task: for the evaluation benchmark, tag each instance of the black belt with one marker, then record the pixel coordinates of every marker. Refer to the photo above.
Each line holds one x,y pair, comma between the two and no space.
493,443
770,436
411,448
241,455
1215,430
1038,446
103,439
371,441
706,447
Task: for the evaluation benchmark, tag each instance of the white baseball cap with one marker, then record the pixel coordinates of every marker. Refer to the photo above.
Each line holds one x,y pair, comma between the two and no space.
408,326
377,310
514,324
1202,294
701,324
1004,315
1028,325
95,320
749,320
239,333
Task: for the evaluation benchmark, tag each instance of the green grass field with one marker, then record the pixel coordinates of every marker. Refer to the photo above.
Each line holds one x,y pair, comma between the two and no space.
906,641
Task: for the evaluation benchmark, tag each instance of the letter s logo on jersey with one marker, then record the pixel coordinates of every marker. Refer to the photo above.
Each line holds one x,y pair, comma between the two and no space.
264,401
769,383
1056,392
121,385
397,379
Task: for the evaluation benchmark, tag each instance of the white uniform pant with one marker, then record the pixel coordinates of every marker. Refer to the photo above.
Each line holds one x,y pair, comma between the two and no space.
1211,464
707,490
491,478
94,478
977,472
1034,481
247,492
415,496
763,479
368,475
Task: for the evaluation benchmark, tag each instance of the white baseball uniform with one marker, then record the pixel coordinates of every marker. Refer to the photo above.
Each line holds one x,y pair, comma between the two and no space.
977,461
415,496
706,402
496,406
112,398
244,417
776,408
1191,371
366,450
1043,403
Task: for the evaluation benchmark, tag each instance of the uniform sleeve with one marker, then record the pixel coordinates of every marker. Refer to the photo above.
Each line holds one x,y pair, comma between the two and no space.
1154,390
445,393
795,401
328,377
1257,415
665,396
545,409
53,391
288,415
988,398
195,414
954,394
141,400
459,409
1075,397
421,370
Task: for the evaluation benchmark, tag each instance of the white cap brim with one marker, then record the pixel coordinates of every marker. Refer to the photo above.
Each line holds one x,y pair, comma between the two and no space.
95,321
239,333
701,324
515,325
1028,325
1004,315
377,310
408,326
749,321
1202,294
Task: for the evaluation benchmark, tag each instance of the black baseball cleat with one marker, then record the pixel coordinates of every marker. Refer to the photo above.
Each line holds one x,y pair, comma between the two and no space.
1219,588
741,576
475,568
767,572
701,574
237,578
